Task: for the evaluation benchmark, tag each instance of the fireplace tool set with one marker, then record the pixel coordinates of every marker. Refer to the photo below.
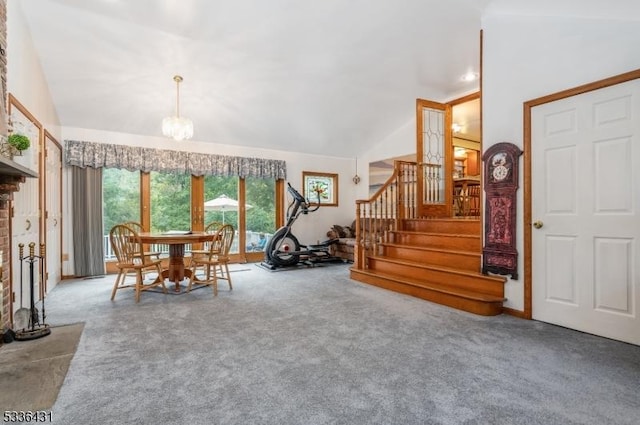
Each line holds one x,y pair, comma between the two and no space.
34,327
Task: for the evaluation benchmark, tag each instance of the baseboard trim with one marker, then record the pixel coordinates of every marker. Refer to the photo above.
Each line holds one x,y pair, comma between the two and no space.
513,312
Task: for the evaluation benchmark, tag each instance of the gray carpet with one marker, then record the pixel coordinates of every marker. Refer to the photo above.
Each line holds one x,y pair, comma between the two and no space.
313,347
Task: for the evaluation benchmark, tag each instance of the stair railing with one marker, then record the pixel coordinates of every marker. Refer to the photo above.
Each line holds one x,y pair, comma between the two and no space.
384,211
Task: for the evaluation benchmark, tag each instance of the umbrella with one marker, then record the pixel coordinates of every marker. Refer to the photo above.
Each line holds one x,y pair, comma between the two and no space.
223,203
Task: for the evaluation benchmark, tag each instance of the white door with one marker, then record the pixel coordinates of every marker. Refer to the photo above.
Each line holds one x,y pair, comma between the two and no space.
585,153
53,196
25,207
25,230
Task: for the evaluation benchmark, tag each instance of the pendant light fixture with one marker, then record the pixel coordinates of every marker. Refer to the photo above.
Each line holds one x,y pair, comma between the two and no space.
177,127
356,178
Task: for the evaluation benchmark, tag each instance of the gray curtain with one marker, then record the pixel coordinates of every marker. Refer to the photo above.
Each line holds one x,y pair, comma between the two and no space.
88,236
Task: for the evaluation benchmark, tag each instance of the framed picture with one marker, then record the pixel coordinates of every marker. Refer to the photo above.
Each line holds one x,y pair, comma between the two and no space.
323,184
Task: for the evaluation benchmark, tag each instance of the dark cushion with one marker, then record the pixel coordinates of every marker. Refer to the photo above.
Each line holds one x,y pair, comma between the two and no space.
349,232
339,230
332,234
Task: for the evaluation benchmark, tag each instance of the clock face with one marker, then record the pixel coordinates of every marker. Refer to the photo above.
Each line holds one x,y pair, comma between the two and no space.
500,172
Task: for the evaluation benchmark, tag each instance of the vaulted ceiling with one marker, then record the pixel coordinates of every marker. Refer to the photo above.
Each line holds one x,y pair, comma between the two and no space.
324,77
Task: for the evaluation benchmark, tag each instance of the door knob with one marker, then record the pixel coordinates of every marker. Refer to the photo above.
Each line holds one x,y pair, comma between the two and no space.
538,224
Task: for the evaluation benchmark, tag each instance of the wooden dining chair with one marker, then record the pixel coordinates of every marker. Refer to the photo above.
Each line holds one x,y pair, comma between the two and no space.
211,228
473,200
127,247
155,255
215,262
458,201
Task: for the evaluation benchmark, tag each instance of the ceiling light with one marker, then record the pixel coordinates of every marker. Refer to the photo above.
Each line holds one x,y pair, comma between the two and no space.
460,153
470,76
177,127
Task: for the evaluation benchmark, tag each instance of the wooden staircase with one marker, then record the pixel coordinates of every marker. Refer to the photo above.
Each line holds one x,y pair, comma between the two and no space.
438,260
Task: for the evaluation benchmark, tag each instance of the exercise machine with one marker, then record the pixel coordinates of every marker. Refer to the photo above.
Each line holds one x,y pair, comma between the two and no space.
284,250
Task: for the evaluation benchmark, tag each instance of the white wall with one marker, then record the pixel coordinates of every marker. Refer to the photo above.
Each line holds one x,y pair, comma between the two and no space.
529,57
25,79
399,143
308,229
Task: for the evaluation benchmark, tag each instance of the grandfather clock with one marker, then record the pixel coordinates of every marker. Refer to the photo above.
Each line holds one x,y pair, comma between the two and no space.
499,254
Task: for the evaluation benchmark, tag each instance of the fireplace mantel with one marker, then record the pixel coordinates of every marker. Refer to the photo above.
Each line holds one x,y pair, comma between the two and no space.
11,175
12,168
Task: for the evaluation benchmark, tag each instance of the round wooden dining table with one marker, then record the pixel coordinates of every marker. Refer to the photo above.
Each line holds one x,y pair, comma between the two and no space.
176,241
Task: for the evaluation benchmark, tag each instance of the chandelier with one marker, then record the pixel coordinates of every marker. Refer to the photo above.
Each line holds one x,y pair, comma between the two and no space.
177,127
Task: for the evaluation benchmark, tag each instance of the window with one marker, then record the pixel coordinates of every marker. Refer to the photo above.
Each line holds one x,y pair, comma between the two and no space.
120,200
261,219
221,203
170,202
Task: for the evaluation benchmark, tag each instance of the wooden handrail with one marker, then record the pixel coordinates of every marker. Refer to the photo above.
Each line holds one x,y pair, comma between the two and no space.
384,211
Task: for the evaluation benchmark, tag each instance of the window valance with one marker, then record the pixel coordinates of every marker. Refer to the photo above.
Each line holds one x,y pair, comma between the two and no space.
136,158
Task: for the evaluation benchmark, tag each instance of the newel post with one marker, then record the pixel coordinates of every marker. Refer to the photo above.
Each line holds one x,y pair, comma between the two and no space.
358,251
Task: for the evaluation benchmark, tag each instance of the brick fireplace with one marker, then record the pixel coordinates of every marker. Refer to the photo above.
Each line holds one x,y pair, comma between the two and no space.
11,176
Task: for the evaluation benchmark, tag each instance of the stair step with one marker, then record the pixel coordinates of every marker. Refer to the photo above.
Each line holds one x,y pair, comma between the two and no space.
443,225
445,276
460,242
437,260
463,260
467,300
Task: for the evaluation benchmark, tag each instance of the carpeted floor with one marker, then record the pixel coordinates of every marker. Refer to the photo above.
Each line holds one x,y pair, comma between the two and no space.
31,372
314,347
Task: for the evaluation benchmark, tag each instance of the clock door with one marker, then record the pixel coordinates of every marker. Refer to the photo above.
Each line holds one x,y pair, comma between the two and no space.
435,158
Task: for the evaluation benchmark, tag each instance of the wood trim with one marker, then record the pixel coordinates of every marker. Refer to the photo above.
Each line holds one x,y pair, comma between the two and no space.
526,179
527,176
515,313
607,82
464,99
480,78
145,200
461,140
42,204
50,137
312,198
197,204
13,102
279,196
435,210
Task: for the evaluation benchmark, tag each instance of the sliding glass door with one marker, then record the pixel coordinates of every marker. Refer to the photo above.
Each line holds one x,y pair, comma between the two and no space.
120,201
170,201
222,204
260,218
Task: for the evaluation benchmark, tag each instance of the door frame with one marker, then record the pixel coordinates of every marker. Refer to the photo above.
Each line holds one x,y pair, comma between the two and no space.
47,136
453,103
14,103
443,209
528,177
